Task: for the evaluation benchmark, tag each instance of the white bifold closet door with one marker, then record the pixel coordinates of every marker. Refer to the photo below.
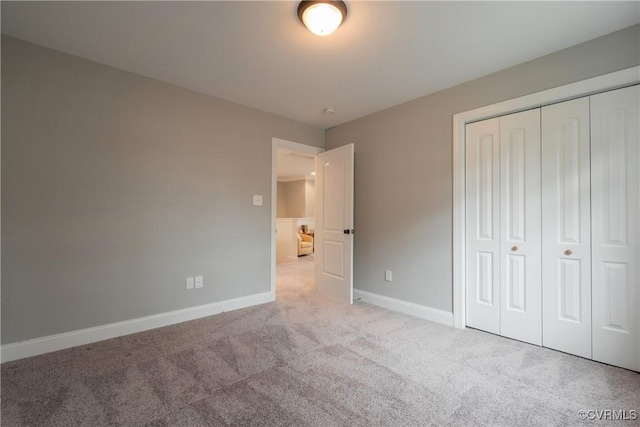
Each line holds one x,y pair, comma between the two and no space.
553,226
520,254
591,227
503,292
615,220
566,227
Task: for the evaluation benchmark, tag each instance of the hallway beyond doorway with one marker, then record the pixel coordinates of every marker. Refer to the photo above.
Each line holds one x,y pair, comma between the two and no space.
296,276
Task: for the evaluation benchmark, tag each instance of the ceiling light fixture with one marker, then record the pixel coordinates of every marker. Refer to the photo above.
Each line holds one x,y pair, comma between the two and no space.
322,17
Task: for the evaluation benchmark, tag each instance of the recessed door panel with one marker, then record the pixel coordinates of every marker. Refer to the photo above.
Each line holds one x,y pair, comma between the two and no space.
615,284
515,185
483,225
613,172
569,291
568,181
333,260
566,230
486,186
516,283
485,278
615,188
520,226
333,183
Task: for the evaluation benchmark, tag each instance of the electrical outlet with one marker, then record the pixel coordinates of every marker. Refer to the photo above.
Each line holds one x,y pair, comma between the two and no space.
257,200
190,283
199,281
388,276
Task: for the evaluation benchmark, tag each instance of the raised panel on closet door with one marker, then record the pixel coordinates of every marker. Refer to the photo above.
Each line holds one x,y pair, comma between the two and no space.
615,194
566,230
521,313
483,225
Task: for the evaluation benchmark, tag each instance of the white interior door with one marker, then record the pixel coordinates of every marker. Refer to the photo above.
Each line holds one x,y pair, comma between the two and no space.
566,229
615,196
520,254
334,223
483,225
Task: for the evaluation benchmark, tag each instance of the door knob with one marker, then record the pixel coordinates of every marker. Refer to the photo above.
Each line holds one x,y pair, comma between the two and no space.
568,252
514,248
349,231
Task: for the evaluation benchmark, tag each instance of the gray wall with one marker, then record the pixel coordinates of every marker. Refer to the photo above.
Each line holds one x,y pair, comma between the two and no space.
116,187
281,207
296,199
309,198
403,168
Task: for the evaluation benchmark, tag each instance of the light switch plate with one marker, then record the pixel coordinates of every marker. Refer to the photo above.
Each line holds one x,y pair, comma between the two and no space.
388,276
257,200
190,283
199,281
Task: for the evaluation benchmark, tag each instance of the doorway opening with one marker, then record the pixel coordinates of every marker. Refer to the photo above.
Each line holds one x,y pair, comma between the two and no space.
293,217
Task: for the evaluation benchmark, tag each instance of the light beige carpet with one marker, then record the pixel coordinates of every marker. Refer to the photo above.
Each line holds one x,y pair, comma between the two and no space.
308,361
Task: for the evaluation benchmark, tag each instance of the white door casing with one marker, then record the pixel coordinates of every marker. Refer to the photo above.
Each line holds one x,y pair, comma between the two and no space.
566,229
483,225
615,196
520,253
334,217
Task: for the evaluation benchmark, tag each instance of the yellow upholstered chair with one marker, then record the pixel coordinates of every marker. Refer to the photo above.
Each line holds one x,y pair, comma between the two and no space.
305,244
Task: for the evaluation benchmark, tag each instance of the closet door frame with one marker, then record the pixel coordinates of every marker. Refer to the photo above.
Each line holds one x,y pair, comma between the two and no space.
587,87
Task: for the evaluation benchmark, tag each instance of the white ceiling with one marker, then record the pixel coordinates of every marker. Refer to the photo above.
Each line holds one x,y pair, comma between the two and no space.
294,165
259,54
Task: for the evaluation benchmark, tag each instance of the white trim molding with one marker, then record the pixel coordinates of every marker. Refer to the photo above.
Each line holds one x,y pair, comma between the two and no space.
34,347
579,89
421,311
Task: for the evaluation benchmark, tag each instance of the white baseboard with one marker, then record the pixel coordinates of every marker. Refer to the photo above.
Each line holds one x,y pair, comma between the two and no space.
36,346
422,311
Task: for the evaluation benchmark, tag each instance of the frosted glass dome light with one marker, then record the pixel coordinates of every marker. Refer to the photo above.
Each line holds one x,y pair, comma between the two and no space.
322,17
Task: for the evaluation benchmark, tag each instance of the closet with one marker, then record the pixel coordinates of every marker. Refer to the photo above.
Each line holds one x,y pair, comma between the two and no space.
553,226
